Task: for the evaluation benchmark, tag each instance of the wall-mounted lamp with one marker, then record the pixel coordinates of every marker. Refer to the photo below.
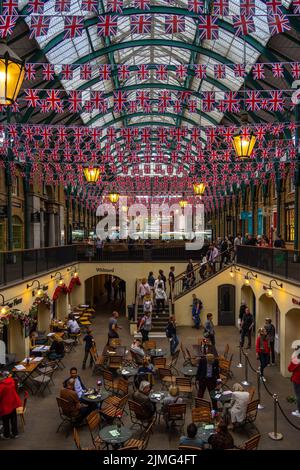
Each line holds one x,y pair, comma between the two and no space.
73,271
54,275
4,308
248,278
233,269
269,287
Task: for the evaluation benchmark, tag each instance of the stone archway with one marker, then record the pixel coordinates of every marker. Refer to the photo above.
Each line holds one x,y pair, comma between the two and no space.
268,308
97,290
292,332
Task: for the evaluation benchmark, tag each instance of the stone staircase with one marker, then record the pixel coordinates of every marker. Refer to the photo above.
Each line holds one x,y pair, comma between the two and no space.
158,324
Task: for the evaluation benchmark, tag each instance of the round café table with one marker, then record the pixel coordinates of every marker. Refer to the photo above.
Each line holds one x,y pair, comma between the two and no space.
157,397
127,371
189,371
95,398
205,430
115,436
157,353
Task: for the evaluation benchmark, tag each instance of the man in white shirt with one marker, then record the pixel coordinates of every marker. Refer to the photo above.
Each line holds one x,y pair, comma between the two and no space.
237,242
72,325
79,387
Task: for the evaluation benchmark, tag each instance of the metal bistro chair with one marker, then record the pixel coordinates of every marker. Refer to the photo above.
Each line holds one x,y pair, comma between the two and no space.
21,410
111,410
110,384
94,422
166,377
252,443
201,415
115,362
251,412
176,415
42,381
142,442
98,361
202,403
121,387
136,415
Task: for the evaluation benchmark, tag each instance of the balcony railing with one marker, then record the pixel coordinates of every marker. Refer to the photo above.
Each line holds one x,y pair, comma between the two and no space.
276,261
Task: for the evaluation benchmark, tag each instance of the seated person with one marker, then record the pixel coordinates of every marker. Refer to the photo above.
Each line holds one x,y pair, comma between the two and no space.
191,438
145,372
172,397
142,398
137,348
57,348
79,387
74,409
32,340
72,325
221,439
239,402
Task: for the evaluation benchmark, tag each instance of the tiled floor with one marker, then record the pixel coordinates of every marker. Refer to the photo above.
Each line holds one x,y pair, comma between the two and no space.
42,416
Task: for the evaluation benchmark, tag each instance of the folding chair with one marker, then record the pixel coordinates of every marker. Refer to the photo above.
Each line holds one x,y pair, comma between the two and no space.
185,385
142,442
110,384
111,411
98,361
201,415
93,422
21,410
186,360
175,415
251,412
171,365
42,382
166,377
121,387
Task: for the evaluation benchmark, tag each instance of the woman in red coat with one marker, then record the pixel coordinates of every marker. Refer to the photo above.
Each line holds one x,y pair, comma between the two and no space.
9,401
262,350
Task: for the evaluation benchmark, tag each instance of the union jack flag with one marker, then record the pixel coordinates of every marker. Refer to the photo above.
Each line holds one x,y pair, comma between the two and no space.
140,24
295,69
181,71
120,101
143,98
239,70
197,6
115,6
104,72
177,106
200,71
296,6
208,101
97,99
143,72
276,101
67,72
133,106
243,25
247,7
164,100
174,24
85,72
192,105
48,72
258,71
278,24
75,101
7,24
39,26
252,101
219,71
123,72
73,26
107,25
142,4
161,72
53,100
9,7
273,6
36,6
31,97
89,5
63,5
277,70
221,7
208,27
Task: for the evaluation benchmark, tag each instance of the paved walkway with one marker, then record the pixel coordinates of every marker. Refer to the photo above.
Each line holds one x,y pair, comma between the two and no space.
42,417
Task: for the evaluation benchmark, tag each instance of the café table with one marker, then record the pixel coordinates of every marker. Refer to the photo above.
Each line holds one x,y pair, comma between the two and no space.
25,370
94,397
41,350
115,435
157,353
189,371
205,430
157,397
127,371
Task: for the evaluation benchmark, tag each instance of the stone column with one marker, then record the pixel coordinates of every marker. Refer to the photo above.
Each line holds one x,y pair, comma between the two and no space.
51,229
42,229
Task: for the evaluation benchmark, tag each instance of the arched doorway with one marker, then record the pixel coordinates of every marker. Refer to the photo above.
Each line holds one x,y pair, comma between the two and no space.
104,290
292,332
43,317
268,308
226,302
248,296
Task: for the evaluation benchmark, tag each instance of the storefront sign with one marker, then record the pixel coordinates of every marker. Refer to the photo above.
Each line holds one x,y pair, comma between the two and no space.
105,270
15,302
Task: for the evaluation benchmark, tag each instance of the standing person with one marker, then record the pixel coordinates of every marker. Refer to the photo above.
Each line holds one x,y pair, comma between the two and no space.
270,329
89,343
163,278
237,242
262,351
190,273
99,248
294,368
151,280
171,279
113,326
171,333
246,328
196,309
208,373
209,330
144,289
122,289
161,298
213,254
279,243
145,325
9,402
242,312
224,253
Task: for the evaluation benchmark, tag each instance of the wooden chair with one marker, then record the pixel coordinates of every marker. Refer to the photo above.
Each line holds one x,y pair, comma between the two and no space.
186,360
21,410
171,365
121,387
111,411
98,361
150,344
251,412
252,443
115,362
202,403
225,353
201,415
225,372
175,415
251,391
110,384
159,362
185,385
93,422
136,415
130,448
189,448
166,377
142,443
77,441
63,407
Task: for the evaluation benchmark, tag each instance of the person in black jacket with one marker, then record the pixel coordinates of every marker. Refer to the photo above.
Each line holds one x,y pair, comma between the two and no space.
242,311
57,349
207,375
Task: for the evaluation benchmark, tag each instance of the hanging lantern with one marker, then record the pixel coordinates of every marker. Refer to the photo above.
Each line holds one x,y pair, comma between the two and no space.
91,173
12,72
113,197
199,188
243,144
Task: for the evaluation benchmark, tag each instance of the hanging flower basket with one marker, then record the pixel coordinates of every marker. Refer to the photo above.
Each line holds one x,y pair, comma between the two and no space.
16,314
75,281
43,299
60,290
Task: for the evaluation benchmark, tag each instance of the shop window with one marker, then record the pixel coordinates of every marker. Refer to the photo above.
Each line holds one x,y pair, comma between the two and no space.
290,224
17,233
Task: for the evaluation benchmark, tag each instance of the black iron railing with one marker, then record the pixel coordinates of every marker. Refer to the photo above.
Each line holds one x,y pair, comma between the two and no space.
276,261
